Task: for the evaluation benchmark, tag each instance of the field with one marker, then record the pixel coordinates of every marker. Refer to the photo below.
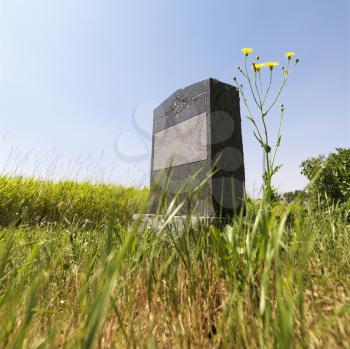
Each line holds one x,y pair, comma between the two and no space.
75,272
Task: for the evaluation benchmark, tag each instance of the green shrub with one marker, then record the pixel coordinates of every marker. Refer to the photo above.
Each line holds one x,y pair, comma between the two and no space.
289,196
332,174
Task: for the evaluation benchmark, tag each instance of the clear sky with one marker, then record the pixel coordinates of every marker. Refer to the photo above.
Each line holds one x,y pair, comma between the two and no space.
75,73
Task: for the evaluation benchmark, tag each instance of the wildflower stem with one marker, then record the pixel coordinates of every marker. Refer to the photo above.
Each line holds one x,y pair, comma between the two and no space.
278,94
278,140
268,89
251,117
249,81
261,86
285,78
266,143
256,87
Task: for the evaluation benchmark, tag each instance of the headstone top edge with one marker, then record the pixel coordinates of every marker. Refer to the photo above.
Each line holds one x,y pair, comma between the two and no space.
180,91
222,83
209,81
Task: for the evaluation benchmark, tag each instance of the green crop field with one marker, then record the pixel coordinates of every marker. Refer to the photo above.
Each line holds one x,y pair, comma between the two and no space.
75,272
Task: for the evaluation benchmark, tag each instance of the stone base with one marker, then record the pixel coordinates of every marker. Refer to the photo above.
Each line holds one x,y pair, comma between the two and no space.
178,222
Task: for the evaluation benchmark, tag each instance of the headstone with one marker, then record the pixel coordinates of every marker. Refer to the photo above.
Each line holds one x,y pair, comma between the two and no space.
195,131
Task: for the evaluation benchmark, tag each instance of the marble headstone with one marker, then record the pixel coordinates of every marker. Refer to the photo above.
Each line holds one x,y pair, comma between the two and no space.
195,131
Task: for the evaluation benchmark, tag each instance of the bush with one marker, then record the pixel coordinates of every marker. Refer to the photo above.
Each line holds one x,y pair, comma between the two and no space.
332,174
289,196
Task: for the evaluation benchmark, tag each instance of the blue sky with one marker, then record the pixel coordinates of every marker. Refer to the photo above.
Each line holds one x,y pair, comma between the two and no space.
74,74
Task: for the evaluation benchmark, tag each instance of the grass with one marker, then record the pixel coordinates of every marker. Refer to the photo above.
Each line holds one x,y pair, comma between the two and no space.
277,279
30,201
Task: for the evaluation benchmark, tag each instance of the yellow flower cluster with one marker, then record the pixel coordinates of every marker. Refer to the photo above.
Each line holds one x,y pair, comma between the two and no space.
257,66
271,64
247,50
289,55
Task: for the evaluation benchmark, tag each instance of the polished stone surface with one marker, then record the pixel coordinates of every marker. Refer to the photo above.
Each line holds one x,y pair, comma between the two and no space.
172,145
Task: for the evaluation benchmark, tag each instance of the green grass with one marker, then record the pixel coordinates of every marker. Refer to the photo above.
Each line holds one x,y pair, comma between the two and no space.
36,202
277,279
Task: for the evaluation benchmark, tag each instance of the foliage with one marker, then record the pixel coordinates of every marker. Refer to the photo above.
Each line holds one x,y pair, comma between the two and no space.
289,196
260,281
37,202
332,174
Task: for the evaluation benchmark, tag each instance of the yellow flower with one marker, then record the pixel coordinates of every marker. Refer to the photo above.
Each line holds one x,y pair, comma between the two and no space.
247,50
258,66
289,55
271,64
